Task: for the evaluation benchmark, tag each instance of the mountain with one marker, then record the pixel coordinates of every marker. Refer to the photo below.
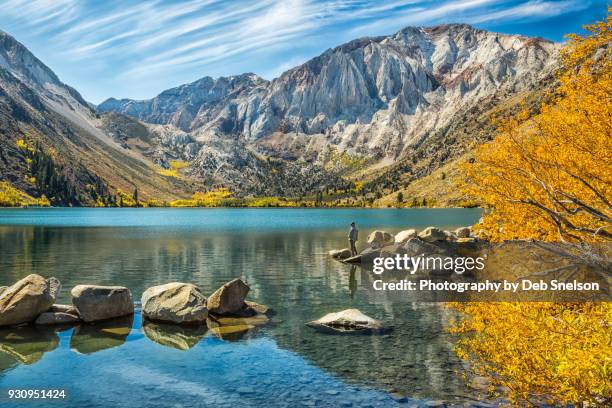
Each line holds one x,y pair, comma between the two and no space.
357,122
376,97
52,141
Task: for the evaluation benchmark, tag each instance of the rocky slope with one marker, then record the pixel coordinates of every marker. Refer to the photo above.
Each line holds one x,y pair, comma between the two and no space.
52,142
373,96
367,110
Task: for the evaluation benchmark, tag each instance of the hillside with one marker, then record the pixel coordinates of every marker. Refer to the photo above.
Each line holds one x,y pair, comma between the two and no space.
357,123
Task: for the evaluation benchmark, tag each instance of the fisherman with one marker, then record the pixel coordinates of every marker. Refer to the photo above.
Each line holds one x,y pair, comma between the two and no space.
352,237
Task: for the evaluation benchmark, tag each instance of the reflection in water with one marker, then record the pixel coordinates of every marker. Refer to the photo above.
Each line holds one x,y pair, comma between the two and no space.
27,344
89,338
175,336
288,270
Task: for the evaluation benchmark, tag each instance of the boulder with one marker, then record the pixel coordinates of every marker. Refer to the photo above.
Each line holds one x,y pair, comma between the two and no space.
379,239
174,302
2,289
95,303
405,235
59,308
416,247
229,298
450,236
463,232
26,299
253,309
365,257
56,318
348,321
340,253
432,234
259,308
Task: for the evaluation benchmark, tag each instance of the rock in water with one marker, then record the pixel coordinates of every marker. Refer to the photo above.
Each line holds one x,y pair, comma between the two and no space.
26,299
405,235
53,318
432,234
348,322
463,232
340,253
229,298
174,302
102,302
379,239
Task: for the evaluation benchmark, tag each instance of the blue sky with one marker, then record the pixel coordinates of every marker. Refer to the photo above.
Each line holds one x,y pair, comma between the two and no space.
136,49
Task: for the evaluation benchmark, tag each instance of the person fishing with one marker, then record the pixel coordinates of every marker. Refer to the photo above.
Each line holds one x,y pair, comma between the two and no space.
352,237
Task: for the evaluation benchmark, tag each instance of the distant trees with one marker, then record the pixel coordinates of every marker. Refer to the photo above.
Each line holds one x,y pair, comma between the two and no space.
400,197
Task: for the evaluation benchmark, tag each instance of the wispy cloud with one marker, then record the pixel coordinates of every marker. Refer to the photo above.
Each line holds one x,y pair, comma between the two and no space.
129,39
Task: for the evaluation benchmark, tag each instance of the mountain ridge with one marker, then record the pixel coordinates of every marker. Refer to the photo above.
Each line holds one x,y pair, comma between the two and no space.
347,91
357,113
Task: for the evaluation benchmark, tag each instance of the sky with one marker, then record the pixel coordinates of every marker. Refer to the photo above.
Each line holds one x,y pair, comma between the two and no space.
136,49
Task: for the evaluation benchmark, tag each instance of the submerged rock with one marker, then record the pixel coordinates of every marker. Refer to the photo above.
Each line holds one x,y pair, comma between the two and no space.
379,239
56,318
405,235
96,303
350,321
432,234
26,299
340,253
174,302
229,298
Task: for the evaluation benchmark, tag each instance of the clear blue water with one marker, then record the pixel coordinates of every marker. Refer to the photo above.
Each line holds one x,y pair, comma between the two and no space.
282,254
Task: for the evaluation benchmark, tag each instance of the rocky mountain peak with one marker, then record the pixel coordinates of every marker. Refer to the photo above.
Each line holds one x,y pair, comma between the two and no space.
373,95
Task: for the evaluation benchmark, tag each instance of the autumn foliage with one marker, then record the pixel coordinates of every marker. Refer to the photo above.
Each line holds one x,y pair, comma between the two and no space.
549,178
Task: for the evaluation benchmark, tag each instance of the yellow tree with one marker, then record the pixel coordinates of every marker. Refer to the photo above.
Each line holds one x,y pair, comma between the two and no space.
549,178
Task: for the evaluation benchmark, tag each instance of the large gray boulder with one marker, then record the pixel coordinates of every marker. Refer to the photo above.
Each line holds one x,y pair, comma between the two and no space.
174,302
432,234
379,239
350,321
229,298
26,299
405,235
95,303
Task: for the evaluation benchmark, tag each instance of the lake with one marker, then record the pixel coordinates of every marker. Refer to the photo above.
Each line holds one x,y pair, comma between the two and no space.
282,254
